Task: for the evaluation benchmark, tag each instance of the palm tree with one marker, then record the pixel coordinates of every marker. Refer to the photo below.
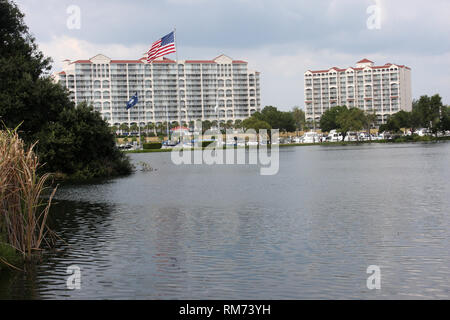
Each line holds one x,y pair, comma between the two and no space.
151,126
114,129
370,119
124,128
134,127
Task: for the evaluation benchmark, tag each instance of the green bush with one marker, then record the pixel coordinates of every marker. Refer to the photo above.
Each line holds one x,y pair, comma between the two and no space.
71,138
152,146
8,255
206,143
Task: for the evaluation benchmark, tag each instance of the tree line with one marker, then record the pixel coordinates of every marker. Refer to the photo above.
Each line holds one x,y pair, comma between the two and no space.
427,112
73,141
269,118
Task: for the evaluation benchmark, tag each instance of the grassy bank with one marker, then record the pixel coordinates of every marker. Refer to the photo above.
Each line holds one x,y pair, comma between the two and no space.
340,143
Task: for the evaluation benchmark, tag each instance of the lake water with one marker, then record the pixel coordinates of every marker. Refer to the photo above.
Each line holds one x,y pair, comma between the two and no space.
226,232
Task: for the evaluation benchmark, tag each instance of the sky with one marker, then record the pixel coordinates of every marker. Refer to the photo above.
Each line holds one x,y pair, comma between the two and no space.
280,38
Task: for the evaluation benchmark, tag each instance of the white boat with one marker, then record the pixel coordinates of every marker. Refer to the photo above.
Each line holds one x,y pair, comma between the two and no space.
334,136
311,137
351,136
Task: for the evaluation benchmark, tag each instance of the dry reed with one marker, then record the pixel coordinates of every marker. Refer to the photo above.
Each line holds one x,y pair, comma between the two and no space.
23,212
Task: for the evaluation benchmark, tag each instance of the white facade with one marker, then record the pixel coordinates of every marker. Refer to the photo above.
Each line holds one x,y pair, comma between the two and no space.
163,95
384,90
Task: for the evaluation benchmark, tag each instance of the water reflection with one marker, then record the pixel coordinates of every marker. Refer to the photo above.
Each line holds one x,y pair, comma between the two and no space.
225,232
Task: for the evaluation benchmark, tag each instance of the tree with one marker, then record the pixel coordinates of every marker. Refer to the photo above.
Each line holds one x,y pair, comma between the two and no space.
206,125
328,121
429,110
445,119
350,120
392,125
229,124
369,120
27,93
124,128
276,119
80,145
44,111
149,127
403,118
238,124
299,118
114,129
256,124
134,127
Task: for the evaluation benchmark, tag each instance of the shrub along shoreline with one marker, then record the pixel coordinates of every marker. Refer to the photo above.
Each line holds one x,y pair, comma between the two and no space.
413,139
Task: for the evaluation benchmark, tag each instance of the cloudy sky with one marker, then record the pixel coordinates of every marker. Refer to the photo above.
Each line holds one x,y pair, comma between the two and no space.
280,38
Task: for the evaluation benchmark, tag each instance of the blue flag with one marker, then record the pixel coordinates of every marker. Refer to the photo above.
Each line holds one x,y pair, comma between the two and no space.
133,101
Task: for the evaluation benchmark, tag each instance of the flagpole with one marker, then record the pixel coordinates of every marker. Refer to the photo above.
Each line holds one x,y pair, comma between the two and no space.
139,124
178,85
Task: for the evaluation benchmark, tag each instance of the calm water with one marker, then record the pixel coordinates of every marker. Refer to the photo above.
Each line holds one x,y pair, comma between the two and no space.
225,232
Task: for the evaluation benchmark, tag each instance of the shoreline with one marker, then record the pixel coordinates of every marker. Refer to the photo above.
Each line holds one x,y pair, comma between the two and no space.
340,143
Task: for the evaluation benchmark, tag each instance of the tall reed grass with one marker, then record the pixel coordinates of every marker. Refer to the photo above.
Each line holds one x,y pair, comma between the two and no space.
23,212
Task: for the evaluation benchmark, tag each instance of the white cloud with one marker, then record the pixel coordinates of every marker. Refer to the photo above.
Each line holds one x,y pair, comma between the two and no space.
64,47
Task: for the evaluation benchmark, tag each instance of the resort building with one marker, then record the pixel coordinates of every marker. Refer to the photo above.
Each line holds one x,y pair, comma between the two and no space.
384,90
168,91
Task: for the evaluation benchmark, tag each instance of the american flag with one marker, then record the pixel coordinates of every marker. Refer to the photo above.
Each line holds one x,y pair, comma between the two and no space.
162,47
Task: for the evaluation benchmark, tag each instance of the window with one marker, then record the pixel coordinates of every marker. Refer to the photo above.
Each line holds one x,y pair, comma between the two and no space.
97,95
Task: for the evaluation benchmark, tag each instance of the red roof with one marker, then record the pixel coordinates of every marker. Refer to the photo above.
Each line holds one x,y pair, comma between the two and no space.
387,65
164,60
365,61
126,61
62,72
239,61
82,61
200,61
